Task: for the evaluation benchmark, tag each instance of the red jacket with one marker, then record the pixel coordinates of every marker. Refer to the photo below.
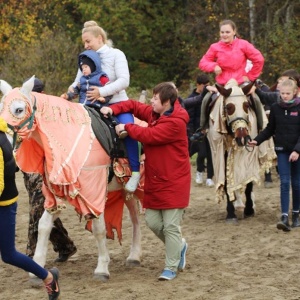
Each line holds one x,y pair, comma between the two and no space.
232,59
165,144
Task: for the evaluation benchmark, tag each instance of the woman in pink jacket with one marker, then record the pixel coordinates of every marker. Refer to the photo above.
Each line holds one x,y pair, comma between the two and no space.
228,57
167,168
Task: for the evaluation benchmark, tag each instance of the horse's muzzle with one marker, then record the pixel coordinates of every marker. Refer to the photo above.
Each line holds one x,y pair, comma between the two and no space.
242,141
241,132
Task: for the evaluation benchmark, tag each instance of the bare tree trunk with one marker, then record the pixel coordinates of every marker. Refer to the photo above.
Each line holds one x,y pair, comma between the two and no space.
252,20
269,13
280,14
289,13
226,10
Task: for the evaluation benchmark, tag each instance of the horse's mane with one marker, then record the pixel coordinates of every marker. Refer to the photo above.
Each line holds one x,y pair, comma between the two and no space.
231,83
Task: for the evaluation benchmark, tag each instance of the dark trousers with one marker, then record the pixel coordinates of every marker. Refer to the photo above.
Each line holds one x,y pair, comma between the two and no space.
59,235
8,251
205,152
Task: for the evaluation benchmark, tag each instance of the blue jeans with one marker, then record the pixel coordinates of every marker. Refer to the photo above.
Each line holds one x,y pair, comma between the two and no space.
9,254
289,172
131,145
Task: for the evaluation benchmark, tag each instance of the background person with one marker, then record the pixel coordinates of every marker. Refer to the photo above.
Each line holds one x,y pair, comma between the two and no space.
202,148
269,97
284,125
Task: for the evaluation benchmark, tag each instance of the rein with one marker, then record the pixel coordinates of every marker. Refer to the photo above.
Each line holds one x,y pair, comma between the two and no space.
29,120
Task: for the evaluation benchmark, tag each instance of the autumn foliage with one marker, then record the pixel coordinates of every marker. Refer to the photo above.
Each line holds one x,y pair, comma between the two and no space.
163,40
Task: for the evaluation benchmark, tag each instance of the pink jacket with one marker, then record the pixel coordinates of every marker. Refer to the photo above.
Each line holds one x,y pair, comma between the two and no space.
167,163
232,59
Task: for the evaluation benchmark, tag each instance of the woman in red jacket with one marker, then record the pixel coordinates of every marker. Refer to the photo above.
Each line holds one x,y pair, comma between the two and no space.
167,168
228,57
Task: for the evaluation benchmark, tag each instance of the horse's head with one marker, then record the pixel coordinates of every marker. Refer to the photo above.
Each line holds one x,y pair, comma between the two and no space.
236,110
17,105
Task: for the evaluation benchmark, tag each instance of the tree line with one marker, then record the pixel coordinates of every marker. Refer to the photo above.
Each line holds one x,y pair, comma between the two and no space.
163,40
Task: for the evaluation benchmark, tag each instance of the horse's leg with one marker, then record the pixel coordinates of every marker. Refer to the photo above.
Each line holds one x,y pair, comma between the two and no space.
99,231
134,258
231,216
249,208
44,229
238,203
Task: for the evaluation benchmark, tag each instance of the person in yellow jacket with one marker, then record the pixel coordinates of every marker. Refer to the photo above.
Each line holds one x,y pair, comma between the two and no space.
8,210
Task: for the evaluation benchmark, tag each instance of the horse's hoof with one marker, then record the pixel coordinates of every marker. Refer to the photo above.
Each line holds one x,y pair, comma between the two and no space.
101,277
35,282
233,221
133,263
238,204
249,215
268,184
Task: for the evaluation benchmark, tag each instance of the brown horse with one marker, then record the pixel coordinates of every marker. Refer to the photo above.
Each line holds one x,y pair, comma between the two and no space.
232,123
59,143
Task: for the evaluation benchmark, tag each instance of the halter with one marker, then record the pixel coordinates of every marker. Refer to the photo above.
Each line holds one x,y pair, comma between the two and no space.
29,120
229,122
236,121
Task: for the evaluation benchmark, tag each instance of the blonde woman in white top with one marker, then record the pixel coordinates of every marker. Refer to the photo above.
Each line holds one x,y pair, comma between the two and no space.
114,64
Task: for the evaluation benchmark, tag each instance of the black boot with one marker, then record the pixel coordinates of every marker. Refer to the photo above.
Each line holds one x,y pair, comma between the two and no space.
283,224
295,219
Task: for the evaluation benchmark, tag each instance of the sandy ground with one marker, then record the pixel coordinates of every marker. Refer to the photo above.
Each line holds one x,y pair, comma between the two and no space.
251,260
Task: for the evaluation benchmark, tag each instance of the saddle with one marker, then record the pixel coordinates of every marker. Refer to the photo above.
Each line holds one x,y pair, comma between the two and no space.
104,130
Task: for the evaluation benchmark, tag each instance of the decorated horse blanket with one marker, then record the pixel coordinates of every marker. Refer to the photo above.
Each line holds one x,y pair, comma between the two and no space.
67,154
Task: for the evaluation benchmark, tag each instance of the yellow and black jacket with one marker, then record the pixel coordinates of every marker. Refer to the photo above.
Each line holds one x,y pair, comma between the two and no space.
8,188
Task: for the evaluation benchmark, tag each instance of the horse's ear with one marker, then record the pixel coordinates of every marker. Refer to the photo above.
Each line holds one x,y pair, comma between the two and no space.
246,89
5,87
27,87
224,92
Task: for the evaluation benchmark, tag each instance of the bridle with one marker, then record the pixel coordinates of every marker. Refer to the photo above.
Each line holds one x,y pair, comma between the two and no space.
29,120
235,122
228,120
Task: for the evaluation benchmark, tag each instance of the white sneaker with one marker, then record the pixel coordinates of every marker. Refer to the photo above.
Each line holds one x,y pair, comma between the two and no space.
209,182
133,182
199,178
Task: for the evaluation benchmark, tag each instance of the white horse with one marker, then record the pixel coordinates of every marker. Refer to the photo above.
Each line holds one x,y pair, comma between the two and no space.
58,142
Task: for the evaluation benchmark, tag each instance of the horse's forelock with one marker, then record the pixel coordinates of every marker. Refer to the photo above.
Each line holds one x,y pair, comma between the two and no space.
17,94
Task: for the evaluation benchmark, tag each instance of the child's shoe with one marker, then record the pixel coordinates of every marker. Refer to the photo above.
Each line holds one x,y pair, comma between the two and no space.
123,134
133,182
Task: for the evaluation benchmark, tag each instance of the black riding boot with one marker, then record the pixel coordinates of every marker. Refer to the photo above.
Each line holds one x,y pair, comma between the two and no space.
284,224
295,219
